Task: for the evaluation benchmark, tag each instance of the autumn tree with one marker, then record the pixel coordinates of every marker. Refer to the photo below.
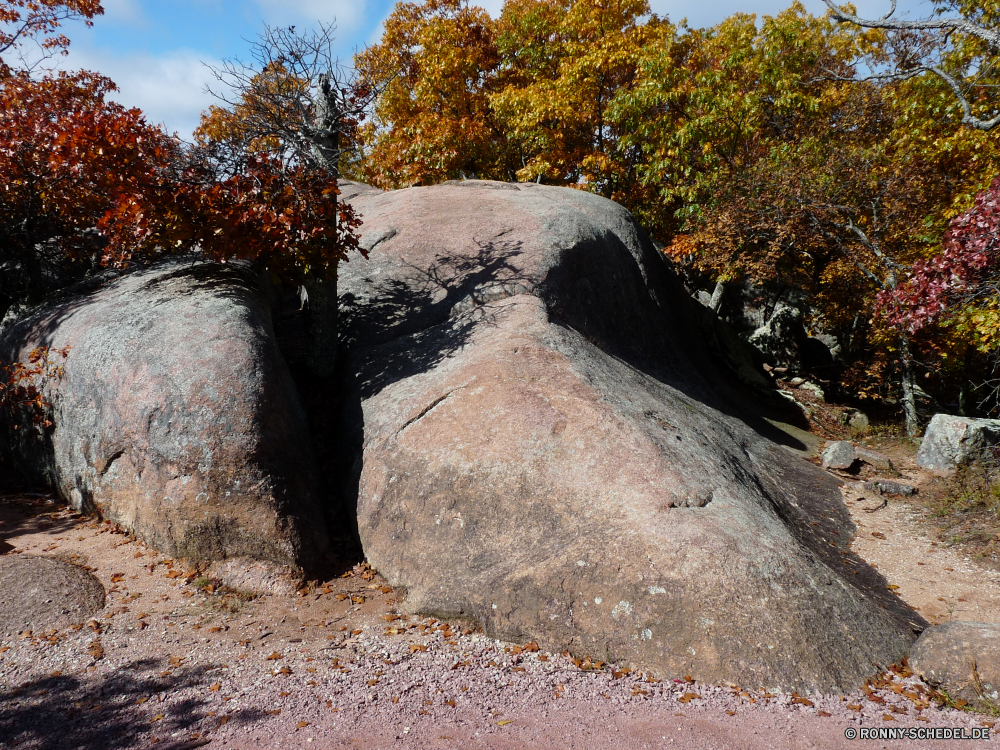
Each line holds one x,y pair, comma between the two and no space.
567,67
265,166
436,63
73,164
35,24
788,175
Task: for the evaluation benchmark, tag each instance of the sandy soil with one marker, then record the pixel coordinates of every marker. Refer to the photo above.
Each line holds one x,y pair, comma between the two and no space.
171,666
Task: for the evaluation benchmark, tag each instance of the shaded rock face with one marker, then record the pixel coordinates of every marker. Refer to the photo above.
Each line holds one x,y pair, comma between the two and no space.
536,445
963,658
949,442
176,416
39,594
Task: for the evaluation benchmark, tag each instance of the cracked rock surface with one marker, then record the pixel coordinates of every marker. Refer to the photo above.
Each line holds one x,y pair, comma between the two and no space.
537,439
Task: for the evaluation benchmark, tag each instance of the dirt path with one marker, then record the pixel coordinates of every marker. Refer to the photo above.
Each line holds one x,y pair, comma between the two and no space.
340,668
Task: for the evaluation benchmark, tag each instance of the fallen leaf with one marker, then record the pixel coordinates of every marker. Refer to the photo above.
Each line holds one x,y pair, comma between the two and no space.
275,712
272,657
303,724
175,660
284,670
823,713
450,703
888,717
215,687
878,535
414,647
733,713
505,722
357,600
158,717
802,701
688,697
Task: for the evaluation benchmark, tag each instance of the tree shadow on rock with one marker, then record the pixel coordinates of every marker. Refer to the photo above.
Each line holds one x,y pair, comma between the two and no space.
407,326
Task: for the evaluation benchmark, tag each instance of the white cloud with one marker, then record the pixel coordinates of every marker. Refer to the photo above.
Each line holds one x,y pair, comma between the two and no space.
168,88
349,14
123,11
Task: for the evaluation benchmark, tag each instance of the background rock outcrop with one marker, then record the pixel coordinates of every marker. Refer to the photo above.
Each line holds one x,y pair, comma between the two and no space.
176,416
950,442
538,438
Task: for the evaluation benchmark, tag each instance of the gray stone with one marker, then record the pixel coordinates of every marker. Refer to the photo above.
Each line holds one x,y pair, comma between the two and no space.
950,442
839,455
779,340
39,594
875,459
539,441
177,417
859,421
962,658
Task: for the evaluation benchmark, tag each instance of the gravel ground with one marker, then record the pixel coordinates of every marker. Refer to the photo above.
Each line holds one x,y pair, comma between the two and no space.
168,665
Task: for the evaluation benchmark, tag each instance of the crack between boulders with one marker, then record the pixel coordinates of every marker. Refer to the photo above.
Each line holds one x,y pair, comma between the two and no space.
425,410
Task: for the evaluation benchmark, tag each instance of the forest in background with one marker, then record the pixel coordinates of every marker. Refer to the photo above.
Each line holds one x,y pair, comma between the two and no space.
770,157
791,158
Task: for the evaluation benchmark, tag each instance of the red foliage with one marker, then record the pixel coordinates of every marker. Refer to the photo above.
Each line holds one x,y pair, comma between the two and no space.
959,274
71,159
21,387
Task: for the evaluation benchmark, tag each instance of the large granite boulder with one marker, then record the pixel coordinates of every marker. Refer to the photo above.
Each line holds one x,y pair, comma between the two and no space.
950,442
540,442
176,416
962,658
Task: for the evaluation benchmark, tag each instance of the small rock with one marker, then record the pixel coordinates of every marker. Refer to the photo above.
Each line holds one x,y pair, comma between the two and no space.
796,382
858,421
952,441
961,657
878,460
887,487
813,389
839,455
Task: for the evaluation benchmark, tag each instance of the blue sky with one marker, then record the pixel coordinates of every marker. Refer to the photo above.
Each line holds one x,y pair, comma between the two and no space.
156,50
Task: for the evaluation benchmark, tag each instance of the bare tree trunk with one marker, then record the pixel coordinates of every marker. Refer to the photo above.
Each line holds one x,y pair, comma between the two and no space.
716,301
323,302
909,396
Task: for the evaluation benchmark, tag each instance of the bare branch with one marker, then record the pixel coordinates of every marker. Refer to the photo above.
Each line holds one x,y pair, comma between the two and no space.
919,59
962,25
